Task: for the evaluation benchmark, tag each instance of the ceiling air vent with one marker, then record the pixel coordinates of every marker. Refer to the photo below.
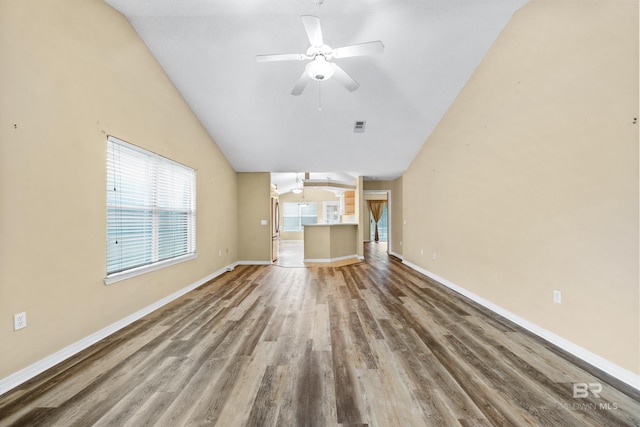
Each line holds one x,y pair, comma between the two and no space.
359,126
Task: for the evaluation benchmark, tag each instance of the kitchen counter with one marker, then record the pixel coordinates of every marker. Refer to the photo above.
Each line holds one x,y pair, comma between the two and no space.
330,242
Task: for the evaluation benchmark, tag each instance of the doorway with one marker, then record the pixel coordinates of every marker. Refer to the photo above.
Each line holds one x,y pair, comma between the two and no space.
382,225
385,219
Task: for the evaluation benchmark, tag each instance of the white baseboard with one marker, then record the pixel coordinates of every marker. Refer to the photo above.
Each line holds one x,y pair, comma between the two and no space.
397,255
14,380
342,258
263,262
599,362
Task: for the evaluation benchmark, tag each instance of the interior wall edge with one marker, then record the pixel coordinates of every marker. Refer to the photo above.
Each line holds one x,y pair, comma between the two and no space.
583,354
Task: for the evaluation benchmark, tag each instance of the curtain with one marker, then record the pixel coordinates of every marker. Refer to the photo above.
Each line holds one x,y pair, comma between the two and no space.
375,206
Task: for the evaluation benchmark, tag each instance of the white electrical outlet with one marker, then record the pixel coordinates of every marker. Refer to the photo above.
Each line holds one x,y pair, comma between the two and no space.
557,297
435,256
219,252
421,251
19,321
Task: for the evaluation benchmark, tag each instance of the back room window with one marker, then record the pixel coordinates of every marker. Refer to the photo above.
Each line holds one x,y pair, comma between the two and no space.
295,215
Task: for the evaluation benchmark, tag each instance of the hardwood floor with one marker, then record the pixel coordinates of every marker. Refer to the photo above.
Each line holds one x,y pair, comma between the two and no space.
374,343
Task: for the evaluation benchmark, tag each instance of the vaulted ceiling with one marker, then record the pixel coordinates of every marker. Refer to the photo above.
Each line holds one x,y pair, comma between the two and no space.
208,49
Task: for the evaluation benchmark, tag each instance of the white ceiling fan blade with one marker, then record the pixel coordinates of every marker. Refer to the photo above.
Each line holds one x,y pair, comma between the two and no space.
368,48
345,79
314,32
281,57
301,84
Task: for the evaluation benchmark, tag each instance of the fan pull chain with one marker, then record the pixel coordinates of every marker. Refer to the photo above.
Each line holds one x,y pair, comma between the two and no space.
319,96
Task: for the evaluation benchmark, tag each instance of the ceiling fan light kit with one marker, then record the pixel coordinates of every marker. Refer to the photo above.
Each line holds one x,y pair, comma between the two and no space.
320,68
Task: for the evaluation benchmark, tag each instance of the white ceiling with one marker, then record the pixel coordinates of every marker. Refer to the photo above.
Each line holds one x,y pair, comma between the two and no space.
208,49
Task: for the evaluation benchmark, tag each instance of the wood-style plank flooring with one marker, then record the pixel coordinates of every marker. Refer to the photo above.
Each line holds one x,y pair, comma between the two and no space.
373,343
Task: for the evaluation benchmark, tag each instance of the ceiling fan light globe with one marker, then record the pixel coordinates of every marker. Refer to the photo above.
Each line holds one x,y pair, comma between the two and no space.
320,69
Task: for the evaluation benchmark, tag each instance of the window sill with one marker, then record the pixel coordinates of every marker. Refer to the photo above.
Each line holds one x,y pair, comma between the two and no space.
123,275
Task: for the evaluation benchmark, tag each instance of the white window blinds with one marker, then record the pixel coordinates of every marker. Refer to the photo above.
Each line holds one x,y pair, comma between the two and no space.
151,208
295,215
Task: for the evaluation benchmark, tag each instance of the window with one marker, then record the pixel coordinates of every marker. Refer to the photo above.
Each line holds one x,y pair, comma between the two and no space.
151,211
295,215
331,212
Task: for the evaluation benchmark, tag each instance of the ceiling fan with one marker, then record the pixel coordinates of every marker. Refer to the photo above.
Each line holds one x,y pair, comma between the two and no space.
319,68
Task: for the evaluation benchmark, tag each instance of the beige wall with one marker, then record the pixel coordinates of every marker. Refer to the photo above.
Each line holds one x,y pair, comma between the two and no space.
529,183
362,214
317,243
397,217
329,242
343,240
254,206
71,73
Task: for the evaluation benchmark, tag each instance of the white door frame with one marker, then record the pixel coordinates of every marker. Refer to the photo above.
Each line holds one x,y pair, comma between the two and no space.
389,230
